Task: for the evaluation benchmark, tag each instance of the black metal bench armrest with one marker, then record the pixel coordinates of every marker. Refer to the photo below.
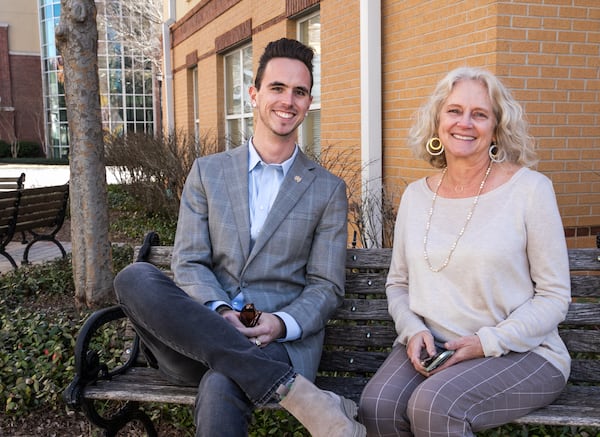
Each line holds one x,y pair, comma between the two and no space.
150,239
88,368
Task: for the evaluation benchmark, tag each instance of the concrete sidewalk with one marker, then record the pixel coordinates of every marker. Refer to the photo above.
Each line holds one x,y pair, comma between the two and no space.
37,175
40,252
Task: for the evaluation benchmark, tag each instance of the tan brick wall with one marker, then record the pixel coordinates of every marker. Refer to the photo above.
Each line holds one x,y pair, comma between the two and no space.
549,56
548,53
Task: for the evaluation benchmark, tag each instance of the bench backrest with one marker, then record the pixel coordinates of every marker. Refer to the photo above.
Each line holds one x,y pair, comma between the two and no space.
42,207
360,334
12,182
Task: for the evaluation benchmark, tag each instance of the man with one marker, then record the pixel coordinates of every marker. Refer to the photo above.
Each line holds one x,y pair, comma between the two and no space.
258,224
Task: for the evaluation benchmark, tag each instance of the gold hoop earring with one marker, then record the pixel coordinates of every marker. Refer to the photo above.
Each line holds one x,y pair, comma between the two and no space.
434,146
497,155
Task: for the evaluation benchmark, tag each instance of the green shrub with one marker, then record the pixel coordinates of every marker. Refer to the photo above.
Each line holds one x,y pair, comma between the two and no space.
132,221
30,149
38,327
27,149
154,168
4,149
36,341
36,358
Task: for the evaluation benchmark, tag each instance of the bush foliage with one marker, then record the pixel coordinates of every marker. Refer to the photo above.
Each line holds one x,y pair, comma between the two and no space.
25,149
154,168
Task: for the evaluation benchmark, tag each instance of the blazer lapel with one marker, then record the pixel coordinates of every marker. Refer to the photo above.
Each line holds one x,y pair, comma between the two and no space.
297,180
235,170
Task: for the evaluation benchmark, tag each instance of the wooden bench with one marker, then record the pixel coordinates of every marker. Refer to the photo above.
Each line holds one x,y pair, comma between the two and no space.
39,212
12,182
9,202
358,338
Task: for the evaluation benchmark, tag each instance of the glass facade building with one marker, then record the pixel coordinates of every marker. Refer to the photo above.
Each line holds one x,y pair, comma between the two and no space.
127,85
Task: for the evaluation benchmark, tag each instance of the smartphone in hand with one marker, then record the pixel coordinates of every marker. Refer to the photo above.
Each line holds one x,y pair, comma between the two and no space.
437,360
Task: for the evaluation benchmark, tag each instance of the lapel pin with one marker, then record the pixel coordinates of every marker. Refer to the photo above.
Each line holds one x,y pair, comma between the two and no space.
297,178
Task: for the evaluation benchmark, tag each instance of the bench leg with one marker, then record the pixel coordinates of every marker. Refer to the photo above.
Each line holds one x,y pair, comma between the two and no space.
10,259
37,238
128,413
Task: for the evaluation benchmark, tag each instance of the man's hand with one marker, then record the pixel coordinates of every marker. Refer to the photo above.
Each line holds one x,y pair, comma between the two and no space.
269,327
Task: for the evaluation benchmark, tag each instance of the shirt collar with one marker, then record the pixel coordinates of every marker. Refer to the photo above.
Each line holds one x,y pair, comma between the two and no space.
254,158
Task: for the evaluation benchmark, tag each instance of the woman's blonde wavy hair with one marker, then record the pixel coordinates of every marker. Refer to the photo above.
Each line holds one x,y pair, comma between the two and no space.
511,132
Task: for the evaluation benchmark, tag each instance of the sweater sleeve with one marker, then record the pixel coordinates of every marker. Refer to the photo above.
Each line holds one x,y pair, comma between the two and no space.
407,323
532,322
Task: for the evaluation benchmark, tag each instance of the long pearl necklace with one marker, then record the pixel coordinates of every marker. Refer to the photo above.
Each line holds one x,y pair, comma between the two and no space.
462,231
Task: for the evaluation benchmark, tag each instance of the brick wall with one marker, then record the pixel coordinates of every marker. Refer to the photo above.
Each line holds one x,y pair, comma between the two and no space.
21,91
5,93
547,52
6,113
550,55
27,92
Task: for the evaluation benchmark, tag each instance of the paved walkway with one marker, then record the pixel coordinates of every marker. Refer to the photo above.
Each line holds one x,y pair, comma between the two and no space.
40,252
37,175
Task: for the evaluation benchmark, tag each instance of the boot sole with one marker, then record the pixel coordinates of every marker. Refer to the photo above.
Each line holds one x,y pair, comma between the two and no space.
349,407
351,411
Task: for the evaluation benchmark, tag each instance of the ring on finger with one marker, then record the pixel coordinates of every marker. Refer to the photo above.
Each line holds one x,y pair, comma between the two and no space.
257,342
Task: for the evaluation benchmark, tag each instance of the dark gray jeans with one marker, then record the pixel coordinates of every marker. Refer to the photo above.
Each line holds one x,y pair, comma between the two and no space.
192,344
464,398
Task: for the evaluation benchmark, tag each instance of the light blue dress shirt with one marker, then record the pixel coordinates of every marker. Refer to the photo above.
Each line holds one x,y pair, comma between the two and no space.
264,182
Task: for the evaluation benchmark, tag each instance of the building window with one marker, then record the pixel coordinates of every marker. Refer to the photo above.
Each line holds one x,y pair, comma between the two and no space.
309,33
238,111
55,104
126,76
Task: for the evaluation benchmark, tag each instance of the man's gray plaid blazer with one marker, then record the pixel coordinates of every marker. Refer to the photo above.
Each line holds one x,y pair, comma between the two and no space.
297,262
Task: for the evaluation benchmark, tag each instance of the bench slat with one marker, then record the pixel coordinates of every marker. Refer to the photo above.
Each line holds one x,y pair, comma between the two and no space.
585,286
581,340
361,282
362,309
373,258
583,314
586,371
360,335
584,260
12,182
142,384
360,362
576,406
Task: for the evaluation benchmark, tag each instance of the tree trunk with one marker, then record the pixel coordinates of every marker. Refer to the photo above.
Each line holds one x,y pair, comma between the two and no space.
77,40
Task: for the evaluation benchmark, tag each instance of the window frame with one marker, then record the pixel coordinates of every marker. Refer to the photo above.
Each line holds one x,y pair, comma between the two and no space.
245,115
306,130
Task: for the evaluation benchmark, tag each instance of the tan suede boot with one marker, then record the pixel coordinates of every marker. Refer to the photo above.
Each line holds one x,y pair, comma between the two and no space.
323,413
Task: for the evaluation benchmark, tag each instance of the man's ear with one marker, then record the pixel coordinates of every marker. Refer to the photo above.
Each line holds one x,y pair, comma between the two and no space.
252,91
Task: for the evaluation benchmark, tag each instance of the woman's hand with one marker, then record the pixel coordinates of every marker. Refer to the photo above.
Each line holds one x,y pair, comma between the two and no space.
419,347
467,348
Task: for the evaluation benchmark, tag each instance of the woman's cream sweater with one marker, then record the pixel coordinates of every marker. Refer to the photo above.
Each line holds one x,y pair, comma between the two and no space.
507,281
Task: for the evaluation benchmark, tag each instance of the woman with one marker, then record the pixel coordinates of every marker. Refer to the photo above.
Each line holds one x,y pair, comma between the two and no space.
479,267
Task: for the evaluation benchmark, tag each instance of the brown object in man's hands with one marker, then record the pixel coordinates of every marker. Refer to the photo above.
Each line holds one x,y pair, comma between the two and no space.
249,315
